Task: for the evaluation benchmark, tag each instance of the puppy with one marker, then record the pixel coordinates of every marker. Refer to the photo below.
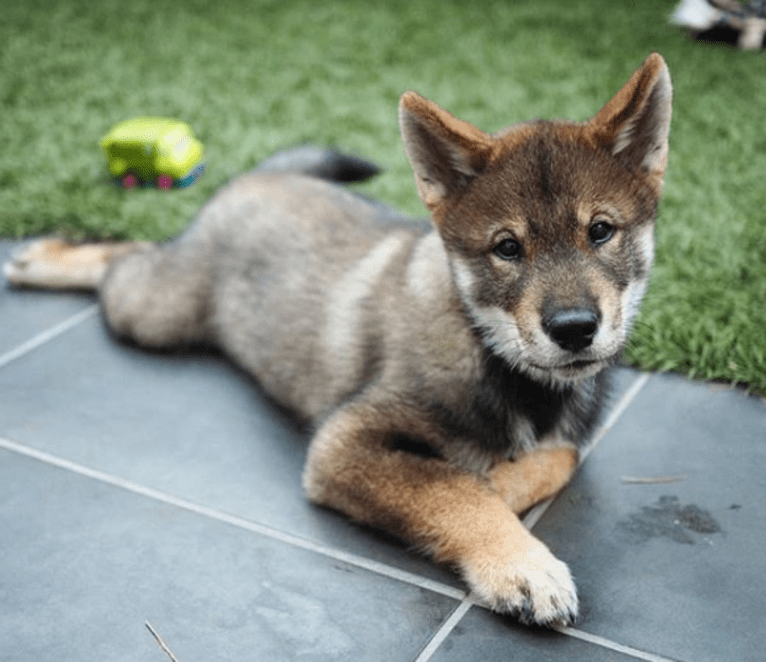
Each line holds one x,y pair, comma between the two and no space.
452,372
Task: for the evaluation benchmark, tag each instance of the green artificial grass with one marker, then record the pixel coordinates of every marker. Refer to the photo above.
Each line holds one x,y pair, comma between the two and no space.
253,76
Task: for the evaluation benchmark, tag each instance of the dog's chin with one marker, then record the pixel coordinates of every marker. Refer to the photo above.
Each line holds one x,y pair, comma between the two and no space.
566,373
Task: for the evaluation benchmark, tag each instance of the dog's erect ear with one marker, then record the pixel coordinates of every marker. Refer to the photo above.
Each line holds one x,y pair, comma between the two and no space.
445,152
635,124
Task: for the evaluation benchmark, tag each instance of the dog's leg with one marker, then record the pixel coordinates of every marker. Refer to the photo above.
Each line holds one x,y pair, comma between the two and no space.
61,265
160,297
534,476
455,516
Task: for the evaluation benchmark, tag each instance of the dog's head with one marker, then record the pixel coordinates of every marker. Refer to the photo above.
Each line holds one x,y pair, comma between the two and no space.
548,225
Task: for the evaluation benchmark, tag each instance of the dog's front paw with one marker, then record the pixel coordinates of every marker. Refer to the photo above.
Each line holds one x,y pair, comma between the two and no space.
534,586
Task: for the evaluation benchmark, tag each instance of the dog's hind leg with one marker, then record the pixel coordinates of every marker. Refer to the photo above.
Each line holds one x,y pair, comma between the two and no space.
57,264
159,297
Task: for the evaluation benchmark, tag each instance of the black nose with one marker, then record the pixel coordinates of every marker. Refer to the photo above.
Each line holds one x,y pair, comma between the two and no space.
572,329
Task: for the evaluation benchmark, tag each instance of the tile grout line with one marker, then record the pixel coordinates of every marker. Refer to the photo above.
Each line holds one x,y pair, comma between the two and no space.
233,520
48,335
613,645
623,403
469,601
446,628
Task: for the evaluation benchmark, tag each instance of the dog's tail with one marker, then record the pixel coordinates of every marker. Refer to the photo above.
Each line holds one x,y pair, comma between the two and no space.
322,162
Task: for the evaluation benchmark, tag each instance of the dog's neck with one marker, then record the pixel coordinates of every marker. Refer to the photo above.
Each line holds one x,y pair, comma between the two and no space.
505,413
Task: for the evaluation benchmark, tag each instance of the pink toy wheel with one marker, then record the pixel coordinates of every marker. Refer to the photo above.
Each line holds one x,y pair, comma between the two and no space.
164,182
129,181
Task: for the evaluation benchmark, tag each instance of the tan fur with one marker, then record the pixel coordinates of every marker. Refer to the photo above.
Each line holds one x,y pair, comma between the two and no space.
451,374
58,264
463,520
534,476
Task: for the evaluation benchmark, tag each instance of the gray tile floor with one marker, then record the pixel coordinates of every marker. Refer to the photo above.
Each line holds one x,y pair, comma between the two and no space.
162,488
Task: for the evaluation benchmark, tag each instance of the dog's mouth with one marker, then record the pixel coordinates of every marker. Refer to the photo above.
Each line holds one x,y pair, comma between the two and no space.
572,370
578,365
571,366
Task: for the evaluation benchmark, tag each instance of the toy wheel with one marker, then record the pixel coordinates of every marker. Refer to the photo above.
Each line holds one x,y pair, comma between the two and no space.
129,181
164,182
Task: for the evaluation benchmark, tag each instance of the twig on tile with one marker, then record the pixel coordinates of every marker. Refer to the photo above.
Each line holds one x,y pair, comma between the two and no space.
161,643
657,480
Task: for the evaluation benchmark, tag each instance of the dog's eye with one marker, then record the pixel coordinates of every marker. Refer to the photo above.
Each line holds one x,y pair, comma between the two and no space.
508,249
600,233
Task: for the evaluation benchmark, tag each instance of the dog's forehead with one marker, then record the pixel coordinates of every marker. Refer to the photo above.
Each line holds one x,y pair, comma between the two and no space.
554,164
545,181
552,171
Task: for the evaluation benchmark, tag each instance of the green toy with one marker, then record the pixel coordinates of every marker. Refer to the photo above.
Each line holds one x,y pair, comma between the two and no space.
153,151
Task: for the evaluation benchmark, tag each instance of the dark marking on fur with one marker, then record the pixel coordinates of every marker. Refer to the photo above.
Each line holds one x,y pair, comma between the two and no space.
546,176
408,444
321,162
